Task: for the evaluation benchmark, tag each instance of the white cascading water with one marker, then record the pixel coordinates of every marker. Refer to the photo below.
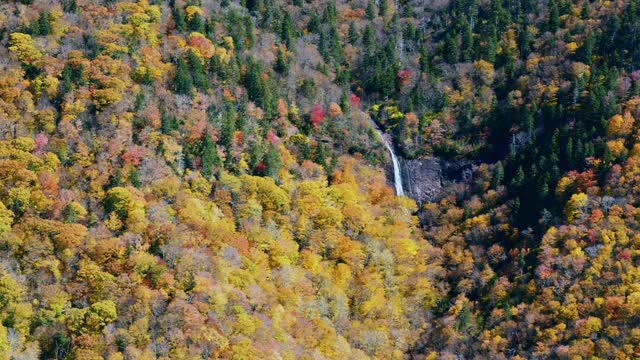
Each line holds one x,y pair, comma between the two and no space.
397,177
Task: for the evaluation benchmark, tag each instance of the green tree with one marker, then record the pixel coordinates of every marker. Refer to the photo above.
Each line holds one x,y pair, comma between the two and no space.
196,23
467,45
371,10
287,31
450,49
282,62
182,82
210,158
198,73
554,16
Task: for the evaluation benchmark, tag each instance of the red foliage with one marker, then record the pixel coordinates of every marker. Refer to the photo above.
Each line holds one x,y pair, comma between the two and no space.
355,100
272,138
260,168
133,156
317,114
41,141
583,180
624,255
404,75
238,138
198,130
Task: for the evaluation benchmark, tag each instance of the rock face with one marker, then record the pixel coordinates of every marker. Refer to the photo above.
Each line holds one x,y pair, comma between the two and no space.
424,180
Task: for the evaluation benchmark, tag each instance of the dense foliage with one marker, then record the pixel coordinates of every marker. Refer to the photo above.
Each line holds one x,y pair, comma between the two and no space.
201,179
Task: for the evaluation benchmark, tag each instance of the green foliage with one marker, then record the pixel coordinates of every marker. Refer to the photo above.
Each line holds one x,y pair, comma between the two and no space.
183,82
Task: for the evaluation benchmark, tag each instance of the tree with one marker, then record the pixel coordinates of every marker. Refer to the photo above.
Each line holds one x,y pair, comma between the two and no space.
183,83
210,158
22,45
371,10
287,31
198,73
450,49
467,45
282,61
554,16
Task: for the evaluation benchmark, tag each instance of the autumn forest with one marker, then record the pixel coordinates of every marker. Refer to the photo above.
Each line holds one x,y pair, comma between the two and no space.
200,179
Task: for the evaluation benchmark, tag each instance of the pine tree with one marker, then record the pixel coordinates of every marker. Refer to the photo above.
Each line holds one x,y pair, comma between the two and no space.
272,162
450,49
210,158
66,85
371,10
498,175
183,83
353,33
467,42
424,58
330,14
384,7
369,40
178,19
282,62
490,49
196,23
168,123
198,73
554,17
287,31
314,25
70,6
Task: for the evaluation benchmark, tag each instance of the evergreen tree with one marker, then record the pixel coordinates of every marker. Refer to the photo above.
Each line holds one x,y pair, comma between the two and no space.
287,31
498,175
70,6
282,62
384,7
330,14
272,162
450,49
353,33
314,25
168,123
179,20
467,46
248,29
424,58
196,23
182,82
554,16
198,73
210,158
66,85
369,40
490,48
371,10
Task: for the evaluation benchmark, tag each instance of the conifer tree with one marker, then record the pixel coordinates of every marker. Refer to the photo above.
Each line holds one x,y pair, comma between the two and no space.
183,83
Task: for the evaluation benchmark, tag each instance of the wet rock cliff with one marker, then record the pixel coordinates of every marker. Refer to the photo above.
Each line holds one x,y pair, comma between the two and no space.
425,180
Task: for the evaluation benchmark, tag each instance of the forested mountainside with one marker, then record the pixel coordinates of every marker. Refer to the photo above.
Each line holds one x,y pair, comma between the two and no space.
203,179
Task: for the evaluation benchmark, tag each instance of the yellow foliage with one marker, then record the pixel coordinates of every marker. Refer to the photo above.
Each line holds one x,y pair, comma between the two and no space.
571,47
616,147
485,71
22,45
620,125
575,206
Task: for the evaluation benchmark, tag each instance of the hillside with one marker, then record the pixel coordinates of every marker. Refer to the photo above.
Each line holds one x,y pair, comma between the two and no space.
205,179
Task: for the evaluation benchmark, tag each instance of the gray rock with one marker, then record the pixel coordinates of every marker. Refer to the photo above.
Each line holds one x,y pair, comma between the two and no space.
425,179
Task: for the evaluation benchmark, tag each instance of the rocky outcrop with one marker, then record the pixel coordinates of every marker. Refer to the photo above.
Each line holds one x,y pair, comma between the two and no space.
422,178
425,179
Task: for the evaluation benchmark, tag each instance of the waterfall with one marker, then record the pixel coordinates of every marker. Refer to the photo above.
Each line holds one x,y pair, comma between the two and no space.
397,177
